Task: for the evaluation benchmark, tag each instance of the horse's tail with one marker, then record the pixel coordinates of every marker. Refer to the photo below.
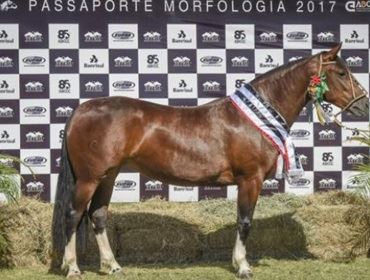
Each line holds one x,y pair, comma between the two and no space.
63,199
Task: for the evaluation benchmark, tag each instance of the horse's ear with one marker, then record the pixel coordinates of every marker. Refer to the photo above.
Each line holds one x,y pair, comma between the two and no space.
330,55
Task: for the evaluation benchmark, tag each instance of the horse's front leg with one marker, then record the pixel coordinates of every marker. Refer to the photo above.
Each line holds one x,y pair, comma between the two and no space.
248,192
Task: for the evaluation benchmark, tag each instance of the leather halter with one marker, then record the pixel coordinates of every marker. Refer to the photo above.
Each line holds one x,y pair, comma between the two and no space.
355,98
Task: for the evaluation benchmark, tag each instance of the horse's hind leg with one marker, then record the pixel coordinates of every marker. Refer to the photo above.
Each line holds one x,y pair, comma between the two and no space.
98,214
248,192
79,200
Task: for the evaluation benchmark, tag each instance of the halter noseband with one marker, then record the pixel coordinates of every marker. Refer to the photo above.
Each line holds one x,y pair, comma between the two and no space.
323,117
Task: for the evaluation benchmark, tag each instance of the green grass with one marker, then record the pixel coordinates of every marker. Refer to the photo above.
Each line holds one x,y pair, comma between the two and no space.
265,269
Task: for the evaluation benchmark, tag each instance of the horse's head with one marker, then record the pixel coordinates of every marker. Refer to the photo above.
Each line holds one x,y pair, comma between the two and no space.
344,90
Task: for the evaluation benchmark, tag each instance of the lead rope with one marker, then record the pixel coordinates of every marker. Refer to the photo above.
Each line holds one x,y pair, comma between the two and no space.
323,116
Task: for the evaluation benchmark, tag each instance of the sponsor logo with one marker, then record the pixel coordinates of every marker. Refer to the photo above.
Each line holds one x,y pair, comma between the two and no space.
182,189
63,36
328,108
327,183
35,160
354,38
301,183
299,133
153,86
354,61
34,137
211,60
6,112
269,62
355,159
154,185
152,37
4,87
181,61
239,83
93,63
123,36
5,138
271,184
152,61
327,158
240,61
33,37
63,61
183,87
239,36
269,37
211,86
34,111
94,86
8,5
295,58
122,61
358,6
32,61
327,134
355,133
6,62
35,187
353,183
63,111
123,85
182,38
34,86
64,86
4,38
325,37
61,135
93,37
297,36
210,37
125,185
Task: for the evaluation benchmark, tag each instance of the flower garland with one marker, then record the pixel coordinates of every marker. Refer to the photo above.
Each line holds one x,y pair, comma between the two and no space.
318,86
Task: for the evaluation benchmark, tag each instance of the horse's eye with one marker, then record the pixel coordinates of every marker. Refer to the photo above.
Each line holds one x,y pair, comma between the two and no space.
342,74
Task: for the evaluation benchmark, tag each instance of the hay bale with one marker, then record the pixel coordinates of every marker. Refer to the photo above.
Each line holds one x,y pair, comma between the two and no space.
26,229
285,226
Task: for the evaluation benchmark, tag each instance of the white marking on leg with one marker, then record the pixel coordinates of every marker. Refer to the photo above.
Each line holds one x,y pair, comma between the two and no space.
70,258
239,258
107,259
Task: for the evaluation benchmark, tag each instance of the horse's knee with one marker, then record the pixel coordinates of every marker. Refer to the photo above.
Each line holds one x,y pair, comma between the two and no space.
244,226
99,219
72,220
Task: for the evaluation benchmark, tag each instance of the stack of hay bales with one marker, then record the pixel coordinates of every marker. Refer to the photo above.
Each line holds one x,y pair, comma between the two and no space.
285,226
25,233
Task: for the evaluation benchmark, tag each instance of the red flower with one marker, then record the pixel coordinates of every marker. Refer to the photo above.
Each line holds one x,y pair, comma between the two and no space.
315,80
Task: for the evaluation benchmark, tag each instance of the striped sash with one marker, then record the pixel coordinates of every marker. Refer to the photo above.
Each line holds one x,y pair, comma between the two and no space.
273,126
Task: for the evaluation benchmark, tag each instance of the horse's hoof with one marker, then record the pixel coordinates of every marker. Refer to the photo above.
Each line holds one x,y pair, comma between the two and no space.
245,274
115,271
74,274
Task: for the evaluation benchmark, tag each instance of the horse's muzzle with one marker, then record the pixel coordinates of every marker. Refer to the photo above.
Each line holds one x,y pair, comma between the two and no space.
360,108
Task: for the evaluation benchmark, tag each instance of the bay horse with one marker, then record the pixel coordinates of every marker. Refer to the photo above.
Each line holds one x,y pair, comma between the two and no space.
212,144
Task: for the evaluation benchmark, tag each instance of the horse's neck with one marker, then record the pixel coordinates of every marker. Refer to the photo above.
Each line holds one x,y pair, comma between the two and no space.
286,89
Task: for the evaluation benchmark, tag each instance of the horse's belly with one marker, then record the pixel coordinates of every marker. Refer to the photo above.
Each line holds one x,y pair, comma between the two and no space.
184,173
